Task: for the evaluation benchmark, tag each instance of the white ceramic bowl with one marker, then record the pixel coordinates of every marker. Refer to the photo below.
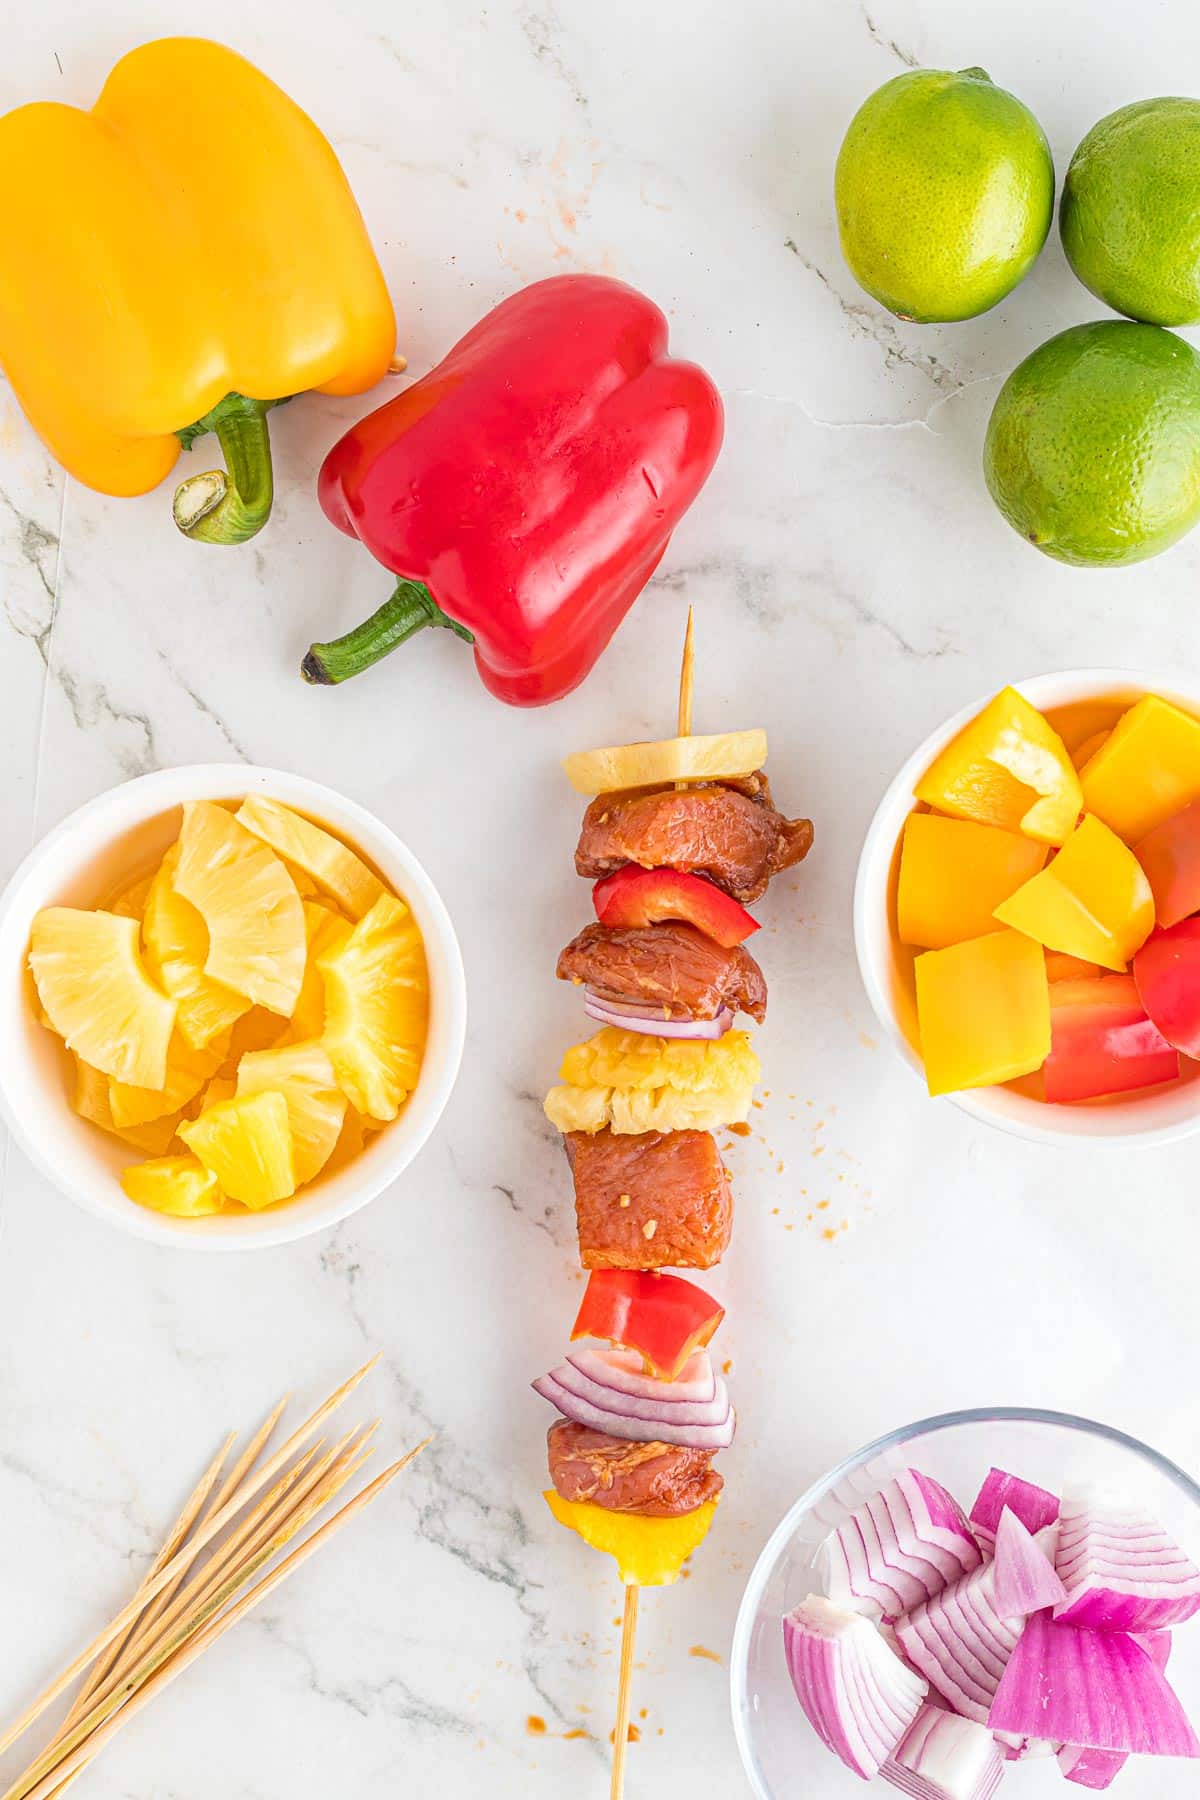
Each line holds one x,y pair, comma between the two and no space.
782,1755
1156,1118
114,839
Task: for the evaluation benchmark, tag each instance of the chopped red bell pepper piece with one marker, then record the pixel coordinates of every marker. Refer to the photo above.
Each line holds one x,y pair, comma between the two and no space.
1167,972
525,489
662,1317
632,897
1170,856
1102,1042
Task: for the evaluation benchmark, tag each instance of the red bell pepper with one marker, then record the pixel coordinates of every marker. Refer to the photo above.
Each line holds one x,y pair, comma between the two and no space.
662,1317
1167,972
632,897
525,489
1102,1042
1170,856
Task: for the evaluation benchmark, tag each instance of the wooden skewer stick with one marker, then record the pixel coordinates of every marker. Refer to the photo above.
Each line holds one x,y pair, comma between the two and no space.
624,1692
302,1505
182,1559
84,1752
683,728
171,1543
686,673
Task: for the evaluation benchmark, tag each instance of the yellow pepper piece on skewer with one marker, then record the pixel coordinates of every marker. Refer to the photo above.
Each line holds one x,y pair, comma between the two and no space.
648,1552
1093,902
1009,768
178,260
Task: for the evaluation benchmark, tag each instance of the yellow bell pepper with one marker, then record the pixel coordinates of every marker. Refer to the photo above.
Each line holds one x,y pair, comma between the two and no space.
1007,768
178,260
649,1552
1060,967
953,875
984,1011
1148,769
1093,901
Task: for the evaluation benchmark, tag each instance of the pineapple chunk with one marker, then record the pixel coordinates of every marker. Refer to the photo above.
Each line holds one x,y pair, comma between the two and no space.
130,903
179,1185
176,941
316,1106
187,1072
249,903
96,993
376,1008
221,1087
247,1144
256,1030
92,1103
351,1140
335,869
326,931
725,757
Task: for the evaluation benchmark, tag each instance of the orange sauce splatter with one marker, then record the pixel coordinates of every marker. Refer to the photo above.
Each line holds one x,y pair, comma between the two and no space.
708,1655
821,1205
726,1366
577,1732
642,1713
741,1129
535,1725
632,1737
829,1234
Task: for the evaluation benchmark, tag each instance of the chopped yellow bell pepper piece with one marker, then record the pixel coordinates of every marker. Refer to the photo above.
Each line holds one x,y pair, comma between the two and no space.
984,1011
1007,768
1093,901
953,876
1148,769
649,1552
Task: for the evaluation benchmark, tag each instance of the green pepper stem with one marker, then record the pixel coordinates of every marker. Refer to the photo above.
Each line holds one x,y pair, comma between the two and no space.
227,506
408,610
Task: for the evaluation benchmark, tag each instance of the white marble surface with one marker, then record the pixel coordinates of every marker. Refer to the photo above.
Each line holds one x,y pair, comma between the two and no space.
853,585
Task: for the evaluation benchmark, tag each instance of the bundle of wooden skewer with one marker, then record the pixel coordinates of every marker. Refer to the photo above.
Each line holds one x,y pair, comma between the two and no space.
216,1564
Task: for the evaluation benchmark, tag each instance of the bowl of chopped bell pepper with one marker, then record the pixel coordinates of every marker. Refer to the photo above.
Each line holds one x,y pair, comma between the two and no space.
1027,908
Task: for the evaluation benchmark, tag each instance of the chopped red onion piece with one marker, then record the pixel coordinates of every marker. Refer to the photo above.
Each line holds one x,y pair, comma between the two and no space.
625,1370
898,1548
858,1697
634,1017
1025,1577
1024,1749
943,1757
1097,1689
666,1419
1094,1769
1157,1645
1034,1506
961,1643
1121,1570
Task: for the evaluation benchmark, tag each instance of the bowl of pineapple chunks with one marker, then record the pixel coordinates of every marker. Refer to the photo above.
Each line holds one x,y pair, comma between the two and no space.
232,1007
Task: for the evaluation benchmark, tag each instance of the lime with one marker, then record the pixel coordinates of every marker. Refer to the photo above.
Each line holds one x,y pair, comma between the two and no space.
1130,216
945,192
1093,447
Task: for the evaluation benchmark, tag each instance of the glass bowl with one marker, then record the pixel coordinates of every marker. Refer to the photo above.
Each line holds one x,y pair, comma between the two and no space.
782,1755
